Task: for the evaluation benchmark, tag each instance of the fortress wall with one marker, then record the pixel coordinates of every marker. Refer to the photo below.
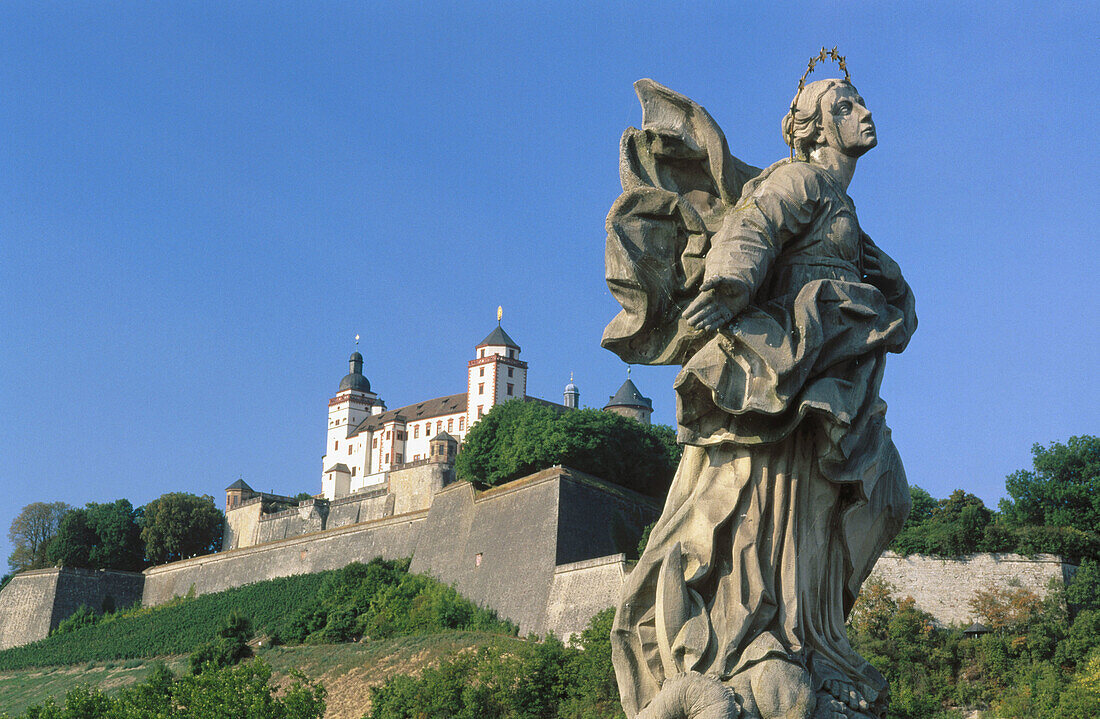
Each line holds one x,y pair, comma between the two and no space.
98,589
597,519
373,504
26,607
414,488
291,523
240,525
391,538
498,548
944,587
581,590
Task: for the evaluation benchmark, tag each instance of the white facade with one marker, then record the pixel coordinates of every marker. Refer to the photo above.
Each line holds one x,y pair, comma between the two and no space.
365,441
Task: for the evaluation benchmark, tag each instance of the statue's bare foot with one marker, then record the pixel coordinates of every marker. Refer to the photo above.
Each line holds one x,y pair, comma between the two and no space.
782,689
849,695
692,696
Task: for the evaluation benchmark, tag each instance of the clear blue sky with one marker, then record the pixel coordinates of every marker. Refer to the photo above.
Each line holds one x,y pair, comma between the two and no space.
201,204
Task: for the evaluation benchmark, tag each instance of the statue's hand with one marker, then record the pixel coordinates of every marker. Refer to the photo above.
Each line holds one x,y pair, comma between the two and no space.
717,305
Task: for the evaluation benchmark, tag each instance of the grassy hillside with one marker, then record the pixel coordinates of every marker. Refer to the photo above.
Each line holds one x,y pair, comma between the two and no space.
377,600
348,671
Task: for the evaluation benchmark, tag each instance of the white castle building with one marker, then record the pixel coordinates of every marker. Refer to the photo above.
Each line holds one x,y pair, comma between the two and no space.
365,441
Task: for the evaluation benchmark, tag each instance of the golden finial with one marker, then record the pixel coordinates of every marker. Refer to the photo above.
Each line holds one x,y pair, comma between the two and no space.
356,340
500,313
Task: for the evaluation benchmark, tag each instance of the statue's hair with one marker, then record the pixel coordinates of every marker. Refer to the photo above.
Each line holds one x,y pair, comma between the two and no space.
802,124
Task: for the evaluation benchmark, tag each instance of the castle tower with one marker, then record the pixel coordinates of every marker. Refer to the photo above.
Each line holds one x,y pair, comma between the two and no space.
442,449
572,394
495,375
629,402
353,403
238,493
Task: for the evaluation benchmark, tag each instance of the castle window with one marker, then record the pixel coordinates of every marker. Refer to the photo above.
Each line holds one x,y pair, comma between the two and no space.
438,425
397,458
353,471
509,388
510,370
387,457
389,434
481,388
416,431
374,443
511,353
480,411
349,448
427,429
462,424
336,444
482,353
451,425
481,372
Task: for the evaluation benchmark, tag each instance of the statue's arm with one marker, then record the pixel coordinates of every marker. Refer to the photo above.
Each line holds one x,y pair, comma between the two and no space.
880,271
751,237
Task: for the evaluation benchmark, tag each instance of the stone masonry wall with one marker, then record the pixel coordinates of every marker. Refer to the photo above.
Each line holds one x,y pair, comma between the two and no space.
414,488
26,607
391,538
240,525
581,590
945,587
98,589
361,507
35,602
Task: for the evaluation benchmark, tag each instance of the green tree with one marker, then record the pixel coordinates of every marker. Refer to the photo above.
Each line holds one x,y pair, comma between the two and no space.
118,536
99,536
179,525
1063,489
31,532
517,438
72,546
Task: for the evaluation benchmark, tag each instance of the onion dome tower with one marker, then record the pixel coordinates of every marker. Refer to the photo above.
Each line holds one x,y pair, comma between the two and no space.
572,394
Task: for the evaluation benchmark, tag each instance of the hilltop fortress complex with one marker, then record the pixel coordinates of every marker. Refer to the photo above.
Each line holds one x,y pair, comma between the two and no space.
546,551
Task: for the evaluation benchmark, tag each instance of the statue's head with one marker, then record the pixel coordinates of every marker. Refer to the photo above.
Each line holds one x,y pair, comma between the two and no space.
829,113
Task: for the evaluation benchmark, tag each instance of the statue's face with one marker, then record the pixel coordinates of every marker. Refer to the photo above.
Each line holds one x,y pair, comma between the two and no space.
846,121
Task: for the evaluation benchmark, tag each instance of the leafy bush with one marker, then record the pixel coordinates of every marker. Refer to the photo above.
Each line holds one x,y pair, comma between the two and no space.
84,616
381,599
549,679
226,649
230,693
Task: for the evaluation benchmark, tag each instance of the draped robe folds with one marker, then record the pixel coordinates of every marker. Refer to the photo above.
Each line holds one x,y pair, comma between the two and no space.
790,486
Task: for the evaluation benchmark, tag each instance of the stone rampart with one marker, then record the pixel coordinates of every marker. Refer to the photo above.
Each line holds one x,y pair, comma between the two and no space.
581,590
501,548
390,538
361,507
34,603
945,587
26,607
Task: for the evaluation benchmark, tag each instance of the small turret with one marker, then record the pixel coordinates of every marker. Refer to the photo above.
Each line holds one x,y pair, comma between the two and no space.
629,402
572,394
442,448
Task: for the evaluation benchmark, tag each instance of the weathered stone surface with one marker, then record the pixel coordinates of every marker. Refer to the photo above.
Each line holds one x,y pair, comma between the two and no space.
35,602
945,587
581,590
781,310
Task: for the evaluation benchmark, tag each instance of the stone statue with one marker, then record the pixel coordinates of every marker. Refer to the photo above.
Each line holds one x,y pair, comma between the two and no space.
781,310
